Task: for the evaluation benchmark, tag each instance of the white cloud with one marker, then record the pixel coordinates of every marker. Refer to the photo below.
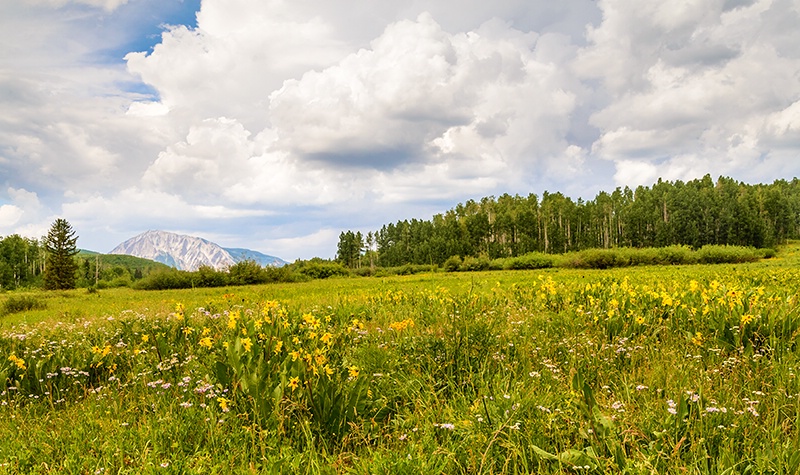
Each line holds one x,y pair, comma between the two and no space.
694,87
488,98
9,216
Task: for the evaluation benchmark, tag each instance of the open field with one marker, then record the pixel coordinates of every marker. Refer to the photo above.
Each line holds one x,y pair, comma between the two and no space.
683,369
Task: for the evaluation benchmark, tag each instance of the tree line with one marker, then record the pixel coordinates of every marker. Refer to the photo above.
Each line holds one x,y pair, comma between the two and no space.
695,213
55,262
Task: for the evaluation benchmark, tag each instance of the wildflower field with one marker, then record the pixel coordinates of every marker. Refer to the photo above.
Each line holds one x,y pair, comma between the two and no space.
682,369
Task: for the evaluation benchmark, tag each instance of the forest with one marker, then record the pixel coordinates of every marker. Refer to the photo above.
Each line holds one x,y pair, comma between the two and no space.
693,213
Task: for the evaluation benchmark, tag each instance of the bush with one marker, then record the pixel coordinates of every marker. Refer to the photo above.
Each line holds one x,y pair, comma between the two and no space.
711,254
452,264
207,276
246,273
21,304
676,255
473,264
281,274
533,260
318,269
595,259
164,280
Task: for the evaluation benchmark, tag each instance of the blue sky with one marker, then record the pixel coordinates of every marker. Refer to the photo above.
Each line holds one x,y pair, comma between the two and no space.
275,125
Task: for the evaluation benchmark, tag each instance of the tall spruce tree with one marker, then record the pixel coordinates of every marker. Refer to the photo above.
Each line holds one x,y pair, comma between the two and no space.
61,267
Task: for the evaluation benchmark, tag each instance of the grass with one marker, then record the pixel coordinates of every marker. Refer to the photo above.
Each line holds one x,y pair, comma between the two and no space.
680,369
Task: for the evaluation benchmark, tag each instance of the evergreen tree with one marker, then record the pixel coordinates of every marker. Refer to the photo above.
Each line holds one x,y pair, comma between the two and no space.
60,244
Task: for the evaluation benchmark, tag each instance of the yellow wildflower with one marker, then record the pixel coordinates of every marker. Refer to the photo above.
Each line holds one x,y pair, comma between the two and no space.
18,362
206,342
326,338
223,404
294,381
188,330
295,354
206,331
145,338
698,339
278,346
247,344
232,318
746,318
353,371
640,320
328,369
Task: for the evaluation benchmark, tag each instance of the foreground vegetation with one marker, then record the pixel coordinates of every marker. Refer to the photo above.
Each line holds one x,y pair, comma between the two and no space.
680,369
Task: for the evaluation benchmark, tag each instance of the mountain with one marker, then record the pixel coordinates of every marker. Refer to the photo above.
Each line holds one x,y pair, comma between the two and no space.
189,252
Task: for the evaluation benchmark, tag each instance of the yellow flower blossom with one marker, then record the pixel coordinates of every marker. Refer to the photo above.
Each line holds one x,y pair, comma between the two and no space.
698,339
295,354
206,331
145,338
278,347
326,338
353,371
247,344
232,318
746,318
223,404
294,381
206,342
18,362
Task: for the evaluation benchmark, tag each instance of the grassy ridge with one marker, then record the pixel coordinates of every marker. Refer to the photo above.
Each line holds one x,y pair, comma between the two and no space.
637,370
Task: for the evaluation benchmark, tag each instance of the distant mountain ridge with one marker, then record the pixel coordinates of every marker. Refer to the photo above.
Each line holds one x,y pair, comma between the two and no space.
189,252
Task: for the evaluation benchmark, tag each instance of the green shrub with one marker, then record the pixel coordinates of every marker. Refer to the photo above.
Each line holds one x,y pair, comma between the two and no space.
533,260
473,264
712,254
323,270
164,280
452,264
246,273
596,259
21,304
676,255
207,276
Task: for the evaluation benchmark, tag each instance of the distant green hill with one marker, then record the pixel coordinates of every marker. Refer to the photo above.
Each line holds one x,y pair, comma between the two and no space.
113,270
130,262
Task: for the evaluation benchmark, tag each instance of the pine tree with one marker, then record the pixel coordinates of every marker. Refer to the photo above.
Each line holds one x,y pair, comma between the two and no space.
60,244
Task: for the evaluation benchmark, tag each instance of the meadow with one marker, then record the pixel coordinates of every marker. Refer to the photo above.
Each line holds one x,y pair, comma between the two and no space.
652,369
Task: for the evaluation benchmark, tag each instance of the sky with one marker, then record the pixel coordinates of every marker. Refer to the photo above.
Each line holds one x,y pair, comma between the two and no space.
276,125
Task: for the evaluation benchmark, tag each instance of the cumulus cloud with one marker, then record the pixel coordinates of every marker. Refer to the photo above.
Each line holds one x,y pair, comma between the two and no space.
693,86
489,97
